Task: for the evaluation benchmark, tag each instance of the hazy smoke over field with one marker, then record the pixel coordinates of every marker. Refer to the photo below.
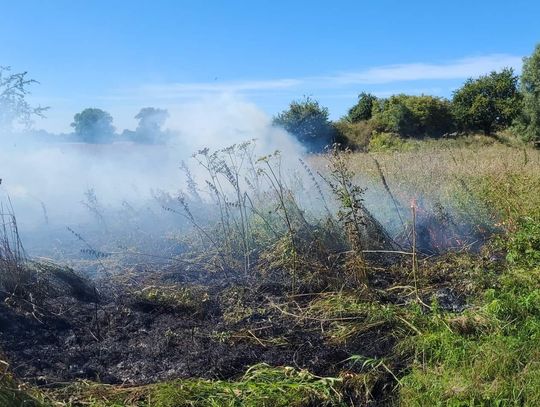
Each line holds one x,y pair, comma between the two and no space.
122,193
47,179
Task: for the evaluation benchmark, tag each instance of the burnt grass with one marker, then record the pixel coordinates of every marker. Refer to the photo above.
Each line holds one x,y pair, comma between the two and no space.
126,339
224,328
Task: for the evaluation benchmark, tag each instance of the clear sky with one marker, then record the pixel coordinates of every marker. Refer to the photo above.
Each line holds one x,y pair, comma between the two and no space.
124,55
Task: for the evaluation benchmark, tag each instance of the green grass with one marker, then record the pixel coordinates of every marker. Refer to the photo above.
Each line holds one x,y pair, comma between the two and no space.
488,356
524,244
260,386
347,315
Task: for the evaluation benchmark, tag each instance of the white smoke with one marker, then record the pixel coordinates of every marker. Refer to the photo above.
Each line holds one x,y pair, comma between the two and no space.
47,180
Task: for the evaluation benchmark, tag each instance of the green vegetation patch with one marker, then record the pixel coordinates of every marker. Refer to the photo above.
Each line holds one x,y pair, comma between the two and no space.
524,244
489,355
261,385
192,299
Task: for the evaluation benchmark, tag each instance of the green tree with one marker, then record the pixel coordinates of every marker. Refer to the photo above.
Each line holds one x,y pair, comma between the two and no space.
93,126
14,108
487,103
413,116
363,109
529,121
308,121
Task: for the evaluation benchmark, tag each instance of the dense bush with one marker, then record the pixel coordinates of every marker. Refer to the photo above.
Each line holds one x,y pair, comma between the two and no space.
385,142
355,135
413,116
488,103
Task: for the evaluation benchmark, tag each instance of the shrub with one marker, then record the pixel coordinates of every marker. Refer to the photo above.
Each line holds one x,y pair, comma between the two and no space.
385,142
355,135
14,108
413,116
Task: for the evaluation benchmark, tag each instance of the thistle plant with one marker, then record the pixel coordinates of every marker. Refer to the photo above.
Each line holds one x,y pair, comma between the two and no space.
349,195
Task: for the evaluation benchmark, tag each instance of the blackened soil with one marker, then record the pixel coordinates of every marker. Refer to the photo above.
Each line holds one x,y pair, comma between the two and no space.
126,340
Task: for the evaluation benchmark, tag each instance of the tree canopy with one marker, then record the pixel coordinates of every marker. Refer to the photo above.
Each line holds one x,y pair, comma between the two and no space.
363,109
151,120
93,125
309,122
487,103
413,116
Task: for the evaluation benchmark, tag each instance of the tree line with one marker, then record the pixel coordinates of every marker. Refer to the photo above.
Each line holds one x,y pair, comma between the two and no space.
94,125
487,104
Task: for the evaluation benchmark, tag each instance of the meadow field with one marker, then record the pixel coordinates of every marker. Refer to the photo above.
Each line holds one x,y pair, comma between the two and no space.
407,276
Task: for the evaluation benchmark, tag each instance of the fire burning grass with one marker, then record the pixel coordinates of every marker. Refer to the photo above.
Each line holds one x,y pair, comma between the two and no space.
369,312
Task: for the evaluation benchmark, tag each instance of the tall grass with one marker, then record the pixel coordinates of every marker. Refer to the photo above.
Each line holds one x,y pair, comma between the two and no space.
486,186
488,356
258,219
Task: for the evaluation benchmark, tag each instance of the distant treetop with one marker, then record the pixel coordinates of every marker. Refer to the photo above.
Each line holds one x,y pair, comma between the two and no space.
93,125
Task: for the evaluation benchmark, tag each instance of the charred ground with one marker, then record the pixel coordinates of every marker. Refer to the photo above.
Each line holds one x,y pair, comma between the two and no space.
185,326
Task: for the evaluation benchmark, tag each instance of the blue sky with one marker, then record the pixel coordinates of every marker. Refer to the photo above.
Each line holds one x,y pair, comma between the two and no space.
124,55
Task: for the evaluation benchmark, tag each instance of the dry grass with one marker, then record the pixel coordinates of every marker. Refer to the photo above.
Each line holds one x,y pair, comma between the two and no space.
13,262
475,181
